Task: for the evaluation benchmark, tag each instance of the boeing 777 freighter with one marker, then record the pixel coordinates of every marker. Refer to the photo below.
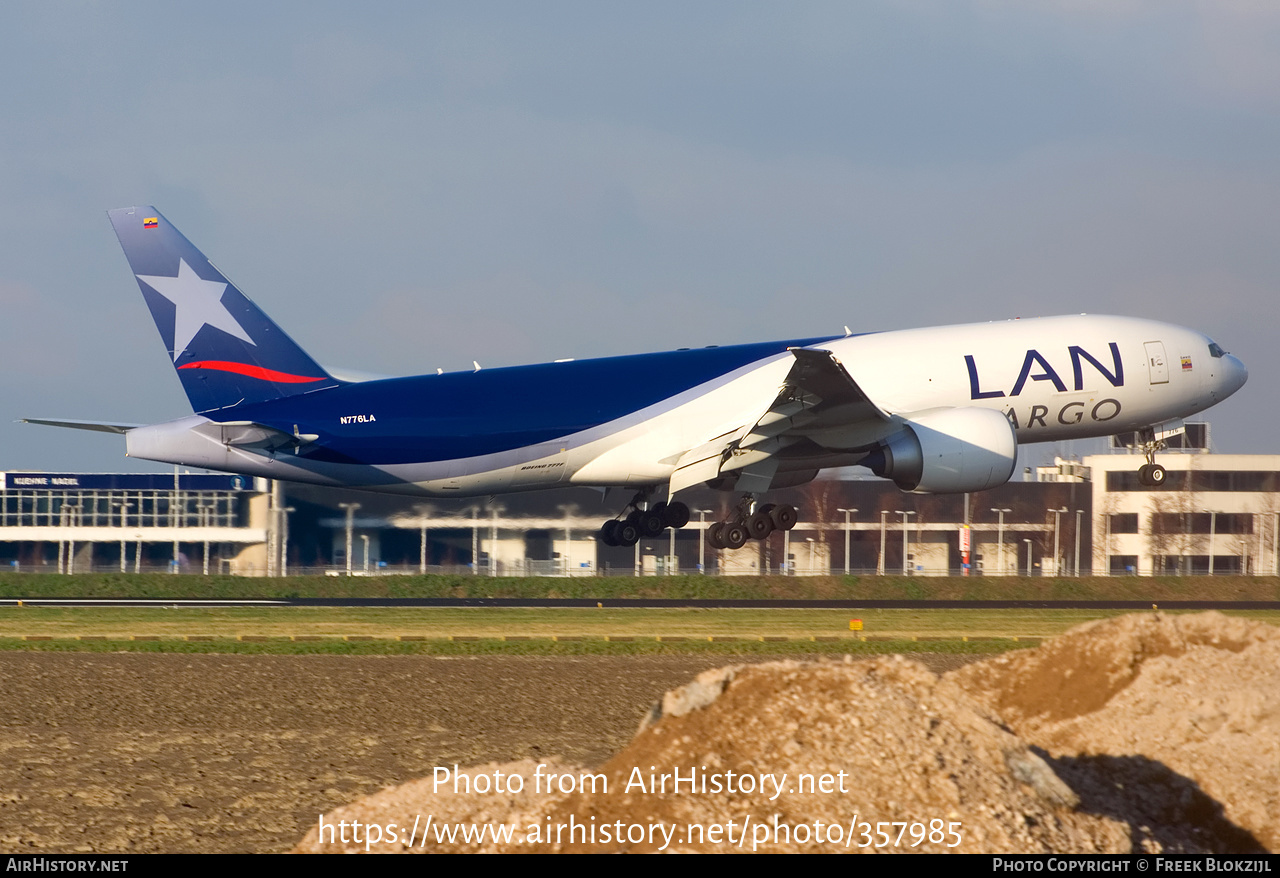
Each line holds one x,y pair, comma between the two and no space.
935,410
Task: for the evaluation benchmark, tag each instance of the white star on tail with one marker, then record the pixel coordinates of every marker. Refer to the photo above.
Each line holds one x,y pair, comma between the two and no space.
197,303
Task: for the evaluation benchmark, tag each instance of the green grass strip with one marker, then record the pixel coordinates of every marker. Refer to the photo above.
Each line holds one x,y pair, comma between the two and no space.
692,587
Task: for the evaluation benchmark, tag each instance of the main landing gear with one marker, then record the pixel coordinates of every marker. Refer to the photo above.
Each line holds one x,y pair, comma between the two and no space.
637,523
748,522
751,522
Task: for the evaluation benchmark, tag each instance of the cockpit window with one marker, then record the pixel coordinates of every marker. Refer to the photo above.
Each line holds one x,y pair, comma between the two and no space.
1215,351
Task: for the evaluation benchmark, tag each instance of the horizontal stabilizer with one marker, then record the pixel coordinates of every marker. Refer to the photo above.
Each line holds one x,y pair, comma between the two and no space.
97,426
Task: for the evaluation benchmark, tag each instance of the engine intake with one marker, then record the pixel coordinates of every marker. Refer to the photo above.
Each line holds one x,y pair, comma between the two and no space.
948,451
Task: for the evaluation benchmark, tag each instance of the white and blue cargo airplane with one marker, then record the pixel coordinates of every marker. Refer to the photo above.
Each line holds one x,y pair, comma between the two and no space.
936,410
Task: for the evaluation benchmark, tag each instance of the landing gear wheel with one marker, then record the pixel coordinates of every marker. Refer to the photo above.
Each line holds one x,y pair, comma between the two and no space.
608,533
760,525
676,514
735,536
1152,475
784,516
715,536
652,523
627,533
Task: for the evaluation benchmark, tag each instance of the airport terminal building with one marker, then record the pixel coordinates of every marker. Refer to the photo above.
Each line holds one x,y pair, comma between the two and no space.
129,521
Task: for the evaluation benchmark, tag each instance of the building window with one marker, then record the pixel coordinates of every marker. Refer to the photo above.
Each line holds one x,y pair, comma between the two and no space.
1224,481
537,545
1122,564
1201,523
1124,523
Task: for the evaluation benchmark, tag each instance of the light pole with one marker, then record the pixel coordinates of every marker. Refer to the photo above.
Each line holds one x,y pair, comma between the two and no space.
493,541
66,548
1106,548
671,552
475,541
205,516
124,552
175,521
284,541
1057,522
702,540
351,520
1000,540
1028,542
1213,527
1078,514
883,528
906,566
568,540
424,513
846,512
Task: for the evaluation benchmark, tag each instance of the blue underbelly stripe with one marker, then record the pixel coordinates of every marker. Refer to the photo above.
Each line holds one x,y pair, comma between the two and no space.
466,414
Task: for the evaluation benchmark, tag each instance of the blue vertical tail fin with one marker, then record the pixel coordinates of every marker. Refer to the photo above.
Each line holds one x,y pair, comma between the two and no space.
225,350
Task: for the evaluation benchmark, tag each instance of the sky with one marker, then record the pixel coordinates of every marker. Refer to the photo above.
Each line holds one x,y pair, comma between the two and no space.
406,186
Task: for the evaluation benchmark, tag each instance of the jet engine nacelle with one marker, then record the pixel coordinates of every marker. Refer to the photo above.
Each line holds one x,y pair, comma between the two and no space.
949,451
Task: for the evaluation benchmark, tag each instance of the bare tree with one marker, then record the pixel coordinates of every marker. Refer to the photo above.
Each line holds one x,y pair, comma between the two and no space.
1170,528
817,499
1109,506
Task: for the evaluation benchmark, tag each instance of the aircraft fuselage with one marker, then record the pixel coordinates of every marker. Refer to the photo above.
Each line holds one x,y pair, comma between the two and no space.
627,421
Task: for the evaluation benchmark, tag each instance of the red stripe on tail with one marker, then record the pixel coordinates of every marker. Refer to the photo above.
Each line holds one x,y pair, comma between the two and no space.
251,371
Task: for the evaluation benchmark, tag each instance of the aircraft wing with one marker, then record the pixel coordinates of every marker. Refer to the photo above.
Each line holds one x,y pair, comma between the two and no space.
818,397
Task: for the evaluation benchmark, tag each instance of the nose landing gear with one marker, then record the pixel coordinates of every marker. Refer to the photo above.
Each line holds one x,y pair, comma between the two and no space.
1151,473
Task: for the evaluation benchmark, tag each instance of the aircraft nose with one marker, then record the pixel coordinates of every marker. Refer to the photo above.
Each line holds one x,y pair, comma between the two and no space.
1232,377
1239,374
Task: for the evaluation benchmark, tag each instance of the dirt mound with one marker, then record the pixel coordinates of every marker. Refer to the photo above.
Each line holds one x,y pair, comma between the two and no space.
1155,721
901,743
1195,696
1080,671
905,745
